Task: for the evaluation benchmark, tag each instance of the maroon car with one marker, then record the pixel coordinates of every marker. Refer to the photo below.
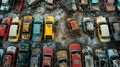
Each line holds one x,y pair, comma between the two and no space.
75,55
10,57
48,57
109,5
4,28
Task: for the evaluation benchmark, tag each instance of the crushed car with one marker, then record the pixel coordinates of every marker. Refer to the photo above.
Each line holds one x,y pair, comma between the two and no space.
2,53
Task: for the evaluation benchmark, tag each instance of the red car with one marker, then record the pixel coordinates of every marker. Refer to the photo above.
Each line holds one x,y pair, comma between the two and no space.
75,55
48,57
10,57
109,5
4,28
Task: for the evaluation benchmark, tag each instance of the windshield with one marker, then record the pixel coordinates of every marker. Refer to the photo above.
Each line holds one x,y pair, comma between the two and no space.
46,66
109,4
105,37
12,37
62,60
114,57
102,23
47,55
75,52
48,22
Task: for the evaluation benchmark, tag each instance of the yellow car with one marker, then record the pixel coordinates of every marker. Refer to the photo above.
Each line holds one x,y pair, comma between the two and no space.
15,28
102,29
27,25
48,30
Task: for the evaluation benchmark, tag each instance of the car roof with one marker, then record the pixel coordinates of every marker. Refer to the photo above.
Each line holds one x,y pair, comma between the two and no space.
116,26
95,1
13,30
104,30
110,1
5,1
101,19
11,49
36,29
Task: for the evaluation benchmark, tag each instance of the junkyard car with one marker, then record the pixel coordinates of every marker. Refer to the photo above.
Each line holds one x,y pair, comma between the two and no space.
4,28
115,28
48,54
15,29
10,57
102,29
23,55
114,60
88,56
2,52
6,5
109,5
62,58
18,5
48,29
95,5
37,29
27,26
117,5
75,55
73,26
100,58
88,25
36,58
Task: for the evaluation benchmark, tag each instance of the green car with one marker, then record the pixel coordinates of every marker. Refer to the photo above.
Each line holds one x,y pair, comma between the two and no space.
23,55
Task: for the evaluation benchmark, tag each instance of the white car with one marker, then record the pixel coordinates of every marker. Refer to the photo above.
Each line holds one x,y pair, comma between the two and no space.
114,59
88,57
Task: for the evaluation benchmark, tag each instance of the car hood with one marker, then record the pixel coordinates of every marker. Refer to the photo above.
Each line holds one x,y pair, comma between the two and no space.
76,60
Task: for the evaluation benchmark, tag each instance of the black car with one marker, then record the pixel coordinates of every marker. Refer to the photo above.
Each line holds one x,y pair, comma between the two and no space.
114,24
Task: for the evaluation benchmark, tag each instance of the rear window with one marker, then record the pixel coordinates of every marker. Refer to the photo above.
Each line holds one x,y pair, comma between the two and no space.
47,55
48,37
75,52
12,37
62,60
46,66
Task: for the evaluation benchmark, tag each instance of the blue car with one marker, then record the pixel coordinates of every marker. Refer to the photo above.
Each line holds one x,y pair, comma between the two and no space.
118,5
6,5
2,52
95,5
37,29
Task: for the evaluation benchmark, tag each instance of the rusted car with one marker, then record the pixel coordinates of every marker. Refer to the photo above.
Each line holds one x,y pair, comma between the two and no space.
88,56
32,2
48,54
109,5
73,27
75,53
27,26
4,28
101,59
62,58
10,57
